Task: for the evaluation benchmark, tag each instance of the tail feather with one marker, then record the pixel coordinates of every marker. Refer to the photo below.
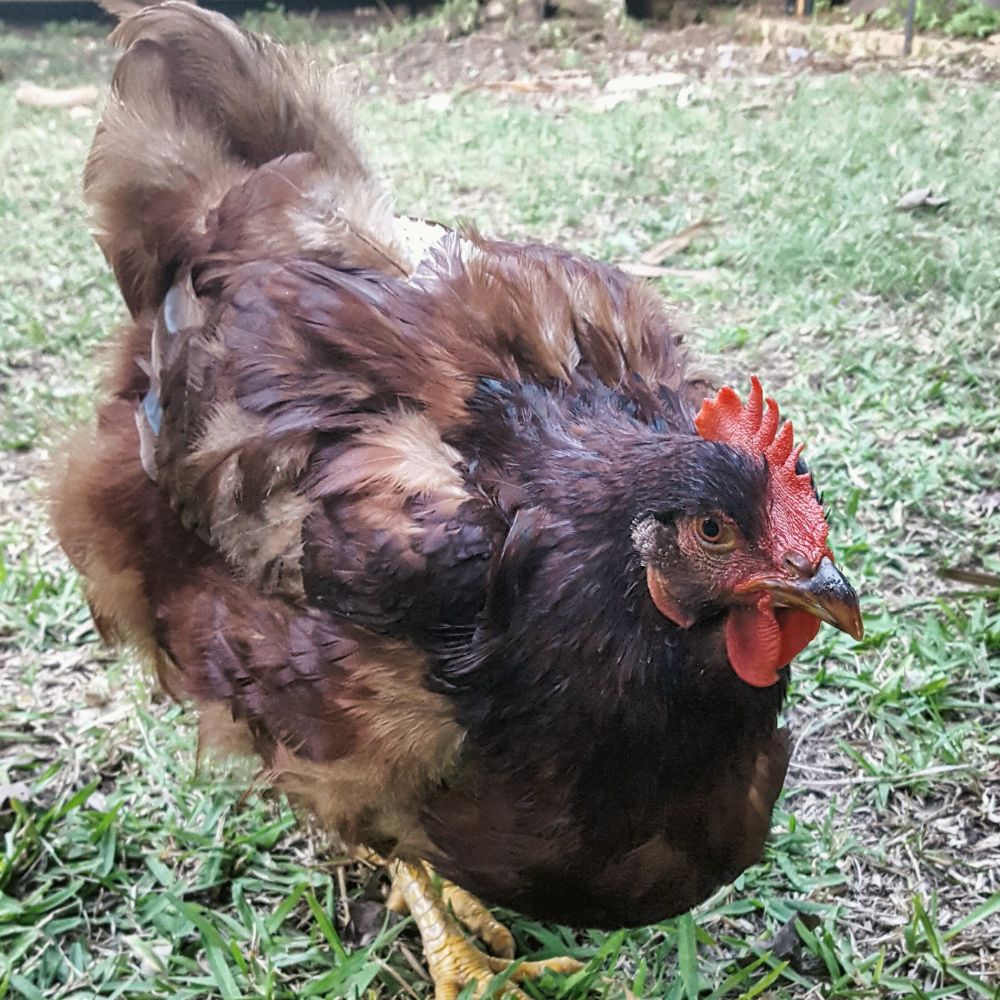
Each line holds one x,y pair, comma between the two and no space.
197,106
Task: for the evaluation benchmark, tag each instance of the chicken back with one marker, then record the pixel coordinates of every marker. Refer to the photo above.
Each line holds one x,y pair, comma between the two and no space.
423,519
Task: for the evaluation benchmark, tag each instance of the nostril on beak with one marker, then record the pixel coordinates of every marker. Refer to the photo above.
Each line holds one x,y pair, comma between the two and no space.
797,564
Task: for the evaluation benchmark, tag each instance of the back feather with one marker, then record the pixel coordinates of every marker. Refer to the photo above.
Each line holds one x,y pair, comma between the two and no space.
200,110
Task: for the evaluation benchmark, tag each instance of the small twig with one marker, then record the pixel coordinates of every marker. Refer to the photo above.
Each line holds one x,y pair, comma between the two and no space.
874,779
794,766
914,862
911,11
345,909
974,576
387,10
817,724
413,963
386,967
951,595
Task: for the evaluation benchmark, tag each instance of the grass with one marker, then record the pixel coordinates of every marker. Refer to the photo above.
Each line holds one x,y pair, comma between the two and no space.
967,18
127,871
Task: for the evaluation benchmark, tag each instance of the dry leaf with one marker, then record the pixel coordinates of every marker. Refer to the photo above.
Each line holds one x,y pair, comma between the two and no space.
752,107
555,81
675,244
18,790
98,694
686,96
33,96
606,102
650,81
152,955
988,501
787,945
439,102
920,198
365,920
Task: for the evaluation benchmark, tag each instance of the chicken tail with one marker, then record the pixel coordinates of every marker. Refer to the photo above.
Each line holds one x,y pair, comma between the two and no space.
197,108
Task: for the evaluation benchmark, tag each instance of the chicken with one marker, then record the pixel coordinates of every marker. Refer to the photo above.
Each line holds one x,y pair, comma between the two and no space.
447,531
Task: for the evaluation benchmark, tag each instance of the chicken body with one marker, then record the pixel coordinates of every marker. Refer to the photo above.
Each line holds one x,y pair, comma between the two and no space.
384,501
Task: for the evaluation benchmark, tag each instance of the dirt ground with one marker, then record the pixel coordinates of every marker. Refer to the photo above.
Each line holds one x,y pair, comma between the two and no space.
615,57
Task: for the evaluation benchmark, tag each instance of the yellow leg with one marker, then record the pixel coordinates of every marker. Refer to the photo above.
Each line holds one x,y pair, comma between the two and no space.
452,960
468,911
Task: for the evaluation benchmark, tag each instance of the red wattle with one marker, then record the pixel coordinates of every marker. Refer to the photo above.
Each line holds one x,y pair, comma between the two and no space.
798,629
753,642
760,641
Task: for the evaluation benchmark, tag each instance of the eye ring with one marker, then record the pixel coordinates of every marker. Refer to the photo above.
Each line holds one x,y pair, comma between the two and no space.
715,533
709,529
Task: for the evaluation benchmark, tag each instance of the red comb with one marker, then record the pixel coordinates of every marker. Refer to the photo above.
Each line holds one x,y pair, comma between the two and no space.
753,428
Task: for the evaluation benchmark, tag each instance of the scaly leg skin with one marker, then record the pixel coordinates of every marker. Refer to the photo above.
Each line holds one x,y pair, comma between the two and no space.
476,919
452,959
468,911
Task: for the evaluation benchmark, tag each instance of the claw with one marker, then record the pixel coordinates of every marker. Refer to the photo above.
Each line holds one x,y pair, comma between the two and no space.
452,959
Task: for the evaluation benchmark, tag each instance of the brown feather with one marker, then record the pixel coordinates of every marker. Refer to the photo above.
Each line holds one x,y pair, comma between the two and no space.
191,81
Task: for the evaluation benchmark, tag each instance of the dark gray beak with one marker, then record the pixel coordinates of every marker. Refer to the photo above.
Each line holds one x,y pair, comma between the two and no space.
825,594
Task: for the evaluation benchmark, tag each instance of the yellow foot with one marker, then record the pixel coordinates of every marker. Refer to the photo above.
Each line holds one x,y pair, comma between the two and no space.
452,960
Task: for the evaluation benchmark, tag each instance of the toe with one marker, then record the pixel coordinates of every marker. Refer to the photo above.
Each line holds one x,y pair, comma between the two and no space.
497,938
562,966
474,915
453,961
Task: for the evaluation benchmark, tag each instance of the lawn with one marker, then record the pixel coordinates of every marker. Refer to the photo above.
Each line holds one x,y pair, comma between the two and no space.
126,870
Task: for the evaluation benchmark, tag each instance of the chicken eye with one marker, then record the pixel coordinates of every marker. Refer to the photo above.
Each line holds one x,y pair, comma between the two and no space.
715,533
